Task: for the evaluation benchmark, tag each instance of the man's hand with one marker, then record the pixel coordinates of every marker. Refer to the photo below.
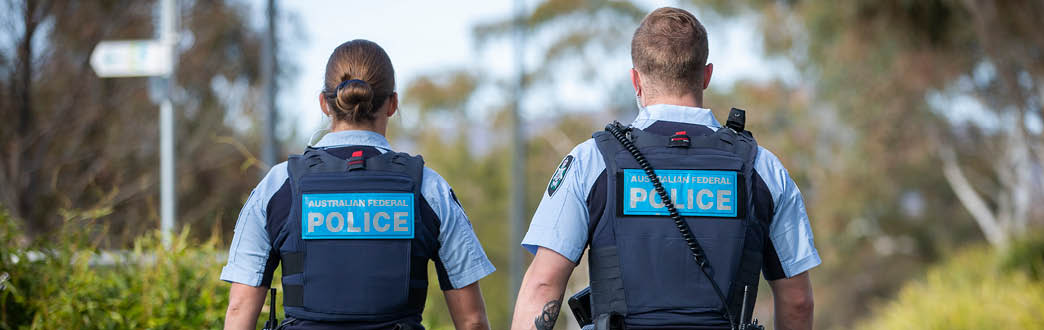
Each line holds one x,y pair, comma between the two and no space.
244,305
792,298
540,298
467,308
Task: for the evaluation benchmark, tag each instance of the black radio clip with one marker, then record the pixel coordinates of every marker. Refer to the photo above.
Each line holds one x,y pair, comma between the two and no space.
273,322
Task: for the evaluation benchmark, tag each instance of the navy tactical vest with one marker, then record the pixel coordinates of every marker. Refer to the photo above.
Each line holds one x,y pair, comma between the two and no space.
639,263
355,246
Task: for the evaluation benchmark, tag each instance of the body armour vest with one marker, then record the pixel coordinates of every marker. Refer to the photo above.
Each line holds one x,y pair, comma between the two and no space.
640,266
355,246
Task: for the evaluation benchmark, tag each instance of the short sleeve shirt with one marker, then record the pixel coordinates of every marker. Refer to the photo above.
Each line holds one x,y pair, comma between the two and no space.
460,260
561,220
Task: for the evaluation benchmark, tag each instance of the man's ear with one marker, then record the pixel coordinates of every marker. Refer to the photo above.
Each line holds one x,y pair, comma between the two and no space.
636,82
322,104
707,71
393,103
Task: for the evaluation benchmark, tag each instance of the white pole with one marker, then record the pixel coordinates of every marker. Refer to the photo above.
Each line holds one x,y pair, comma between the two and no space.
167,166
168,21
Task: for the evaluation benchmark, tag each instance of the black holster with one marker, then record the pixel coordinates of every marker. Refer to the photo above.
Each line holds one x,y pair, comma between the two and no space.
286,322
609,321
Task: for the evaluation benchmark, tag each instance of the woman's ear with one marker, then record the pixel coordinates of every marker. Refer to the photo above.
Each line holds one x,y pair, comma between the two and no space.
322,104
393,103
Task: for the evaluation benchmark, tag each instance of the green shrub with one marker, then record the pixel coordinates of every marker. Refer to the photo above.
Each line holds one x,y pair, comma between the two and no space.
976,289
153,287
1026,255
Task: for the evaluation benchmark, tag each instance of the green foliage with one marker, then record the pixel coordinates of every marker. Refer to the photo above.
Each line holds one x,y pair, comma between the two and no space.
1026,255
152,286
445,91
976,289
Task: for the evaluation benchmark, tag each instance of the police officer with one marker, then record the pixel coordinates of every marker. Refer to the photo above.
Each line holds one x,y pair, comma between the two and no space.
354,223
739,204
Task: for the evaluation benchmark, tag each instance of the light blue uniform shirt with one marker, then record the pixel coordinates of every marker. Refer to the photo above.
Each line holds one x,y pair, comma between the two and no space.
561,221
460,251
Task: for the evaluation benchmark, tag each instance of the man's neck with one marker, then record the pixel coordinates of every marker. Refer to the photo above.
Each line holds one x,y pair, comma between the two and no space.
687,100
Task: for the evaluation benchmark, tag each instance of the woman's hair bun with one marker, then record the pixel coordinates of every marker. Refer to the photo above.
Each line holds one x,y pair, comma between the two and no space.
355,99
359,80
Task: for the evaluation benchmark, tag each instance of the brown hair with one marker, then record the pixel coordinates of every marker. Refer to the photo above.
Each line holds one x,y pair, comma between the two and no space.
359,78
670,49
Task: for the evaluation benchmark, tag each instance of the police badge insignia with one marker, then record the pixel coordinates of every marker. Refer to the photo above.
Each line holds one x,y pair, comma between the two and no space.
556,180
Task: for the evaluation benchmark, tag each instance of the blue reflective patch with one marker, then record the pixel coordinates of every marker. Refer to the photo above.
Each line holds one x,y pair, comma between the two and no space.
694,192
357,216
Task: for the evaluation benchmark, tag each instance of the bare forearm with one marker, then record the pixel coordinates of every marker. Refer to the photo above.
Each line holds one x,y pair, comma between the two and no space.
467,307
793,301
473,324
793,317
473,321
538,307
540,298
244,305
238,319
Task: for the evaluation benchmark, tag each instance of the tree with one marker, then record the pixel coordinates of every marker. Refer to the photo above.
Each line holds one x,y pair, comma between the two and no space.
890,87
83,147
925,60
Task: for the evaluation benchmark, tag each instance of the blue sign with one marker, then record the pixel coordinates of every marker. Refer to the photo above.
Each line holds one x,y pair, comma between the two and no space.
357,216
694,193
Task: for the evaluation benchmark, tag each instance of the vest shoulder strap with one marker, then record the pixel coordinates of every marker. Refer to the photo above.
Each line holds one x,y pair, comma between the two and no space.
749,271
313,160
399,162
607,290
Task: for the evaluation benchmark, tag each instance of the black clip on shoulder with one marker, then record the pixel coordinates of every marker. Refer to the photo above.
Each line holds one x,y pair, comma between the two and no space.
737,120
356,162
680,139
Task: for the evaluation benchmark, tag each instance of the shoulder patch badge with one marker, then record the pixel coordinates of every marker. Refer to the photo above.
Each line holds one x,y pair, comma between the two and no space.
556,179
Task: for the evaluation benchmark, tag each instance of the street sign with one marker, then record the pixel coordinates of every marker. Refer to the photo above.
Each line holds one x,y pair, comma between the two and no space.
143,58
131,58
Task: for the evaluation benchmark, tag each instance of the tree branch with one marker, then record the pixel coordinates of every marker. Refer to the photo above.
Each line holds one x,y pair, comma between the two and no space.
971,200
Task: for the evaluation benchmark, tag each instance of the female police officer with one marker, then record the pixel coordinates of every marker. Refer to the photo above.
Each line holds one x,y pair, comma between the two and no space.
353,222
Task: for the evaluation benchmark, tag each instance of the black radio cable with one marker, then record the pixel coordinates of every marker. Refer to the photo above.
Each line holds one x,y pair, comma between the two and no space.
615,129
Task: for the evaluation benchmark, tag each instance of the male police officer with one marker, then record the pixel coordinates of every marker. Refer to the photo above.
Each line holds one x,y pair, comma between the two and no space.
741,205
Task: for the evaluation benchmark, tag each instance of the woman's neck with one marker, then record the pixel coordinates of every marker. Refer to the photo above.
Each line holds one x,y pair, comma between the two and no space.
346,126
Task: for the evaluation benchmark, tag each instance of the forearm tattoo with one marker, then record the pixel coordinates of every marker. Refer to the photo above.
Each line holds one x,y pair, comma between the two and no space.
547,318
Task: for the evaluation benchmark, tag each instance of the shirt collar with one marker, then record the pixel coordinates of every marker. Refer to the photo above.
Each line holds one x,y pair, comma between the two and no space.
675,113
353,138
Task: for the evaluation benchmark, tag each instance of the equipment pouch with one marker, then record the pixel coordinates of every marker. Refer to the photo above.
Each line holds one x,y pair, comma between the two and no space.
580,305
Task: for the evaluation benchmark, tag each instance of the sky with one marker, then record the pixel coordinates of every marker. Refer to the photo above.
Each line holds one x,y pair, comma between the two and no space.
420,37
424,37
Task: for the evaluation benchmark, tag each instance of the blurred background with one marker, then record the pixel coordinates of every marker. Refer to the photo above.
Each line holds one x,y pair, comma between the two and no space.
913,128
